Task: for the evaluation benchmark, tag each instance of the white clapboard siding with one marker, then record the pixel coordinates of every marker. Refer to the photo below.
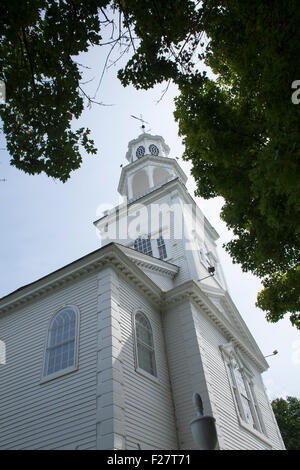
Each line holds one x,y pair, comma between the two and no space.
59,414
160,279
148,404
72,411
233,435
185,368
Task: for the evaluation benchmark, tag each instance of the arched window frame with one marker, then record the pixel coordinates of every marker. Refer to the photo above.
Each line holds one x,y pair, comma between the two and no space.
138,366
66,370
242,387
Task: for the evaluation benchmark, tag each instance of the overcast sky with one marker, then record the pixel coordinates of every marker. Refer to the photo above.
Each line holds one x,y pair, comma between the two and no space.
46,224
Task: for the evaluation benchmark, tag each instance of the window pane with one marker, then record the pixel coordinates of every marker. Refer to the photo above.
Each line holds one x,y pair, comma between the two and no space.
71,351
146,359
65,330
144,335
240,382
142,320
143,330
59,334
50,362
245,397
60,353
248,412
161,248
144,344
143,245
53,332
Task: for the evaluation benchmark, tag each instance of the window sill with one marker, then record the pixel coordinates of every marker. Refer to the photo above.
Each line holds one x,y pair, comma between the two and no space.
58,374
256,433
147,375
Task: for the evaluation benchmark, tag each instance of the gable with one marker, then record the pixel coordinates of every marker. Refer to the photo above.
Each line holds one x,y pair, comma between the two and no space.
224,303
160,272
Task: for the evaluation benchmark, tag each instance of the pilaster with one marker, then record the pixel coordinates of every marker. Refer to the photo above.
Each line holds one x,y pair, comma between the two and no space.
110,407
186,369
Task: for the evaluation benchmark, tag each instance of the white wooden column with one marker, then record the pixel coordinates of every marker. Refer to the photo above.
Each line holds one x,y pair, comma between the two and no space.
110,413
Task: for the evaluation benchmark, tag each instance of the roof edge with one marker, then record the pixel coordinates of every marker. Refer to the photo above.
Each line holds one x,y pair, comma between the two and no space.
88,264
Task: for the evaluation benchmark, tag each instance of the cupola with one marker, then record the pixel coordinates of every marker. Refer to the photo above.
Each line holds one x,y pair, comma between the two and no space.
149,166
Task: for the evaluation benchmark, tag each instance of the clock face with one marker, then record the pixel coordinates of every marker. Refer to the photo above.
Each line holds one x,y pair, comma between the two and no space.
140,151
153,150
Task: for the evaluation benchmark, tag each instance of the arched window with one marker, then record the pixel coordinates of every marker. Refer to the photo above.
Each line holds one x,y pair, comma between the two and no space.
61,342
144,344
242,386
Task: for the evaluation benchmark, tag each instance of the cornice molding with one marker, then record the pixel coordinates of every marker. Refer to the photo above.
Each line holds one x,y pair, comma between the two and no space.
121,209
150,263
231,310
235,314
108,256
192,292
151,196
112,256
151,267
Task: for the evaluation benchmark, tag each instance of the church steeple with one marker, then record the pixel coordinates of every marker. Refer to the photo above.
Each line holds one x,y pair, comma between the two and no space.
149,166
158,216
146,144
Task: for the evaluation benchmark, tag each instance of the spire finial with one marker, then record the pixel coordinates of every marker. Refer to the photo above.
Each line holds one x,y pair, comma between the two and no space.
142,121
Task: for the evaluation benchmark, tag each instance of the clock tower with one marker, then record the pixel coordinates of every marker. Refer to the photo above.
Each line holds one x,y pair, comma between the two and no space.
149,166
108,351
159,217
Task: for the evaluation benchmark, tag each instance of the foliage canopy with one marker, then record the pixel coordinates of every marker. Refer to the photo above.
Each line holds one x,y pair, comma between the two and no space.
240,128
287,413
239,124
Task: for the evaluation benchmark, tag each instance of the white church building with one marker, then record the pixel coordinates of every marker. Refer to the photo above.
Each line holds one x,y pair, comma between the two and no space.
107,352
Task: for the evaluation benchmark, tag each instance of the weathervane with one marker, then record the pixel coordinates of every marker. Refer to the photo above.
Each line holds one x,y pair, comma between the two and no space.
142,121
